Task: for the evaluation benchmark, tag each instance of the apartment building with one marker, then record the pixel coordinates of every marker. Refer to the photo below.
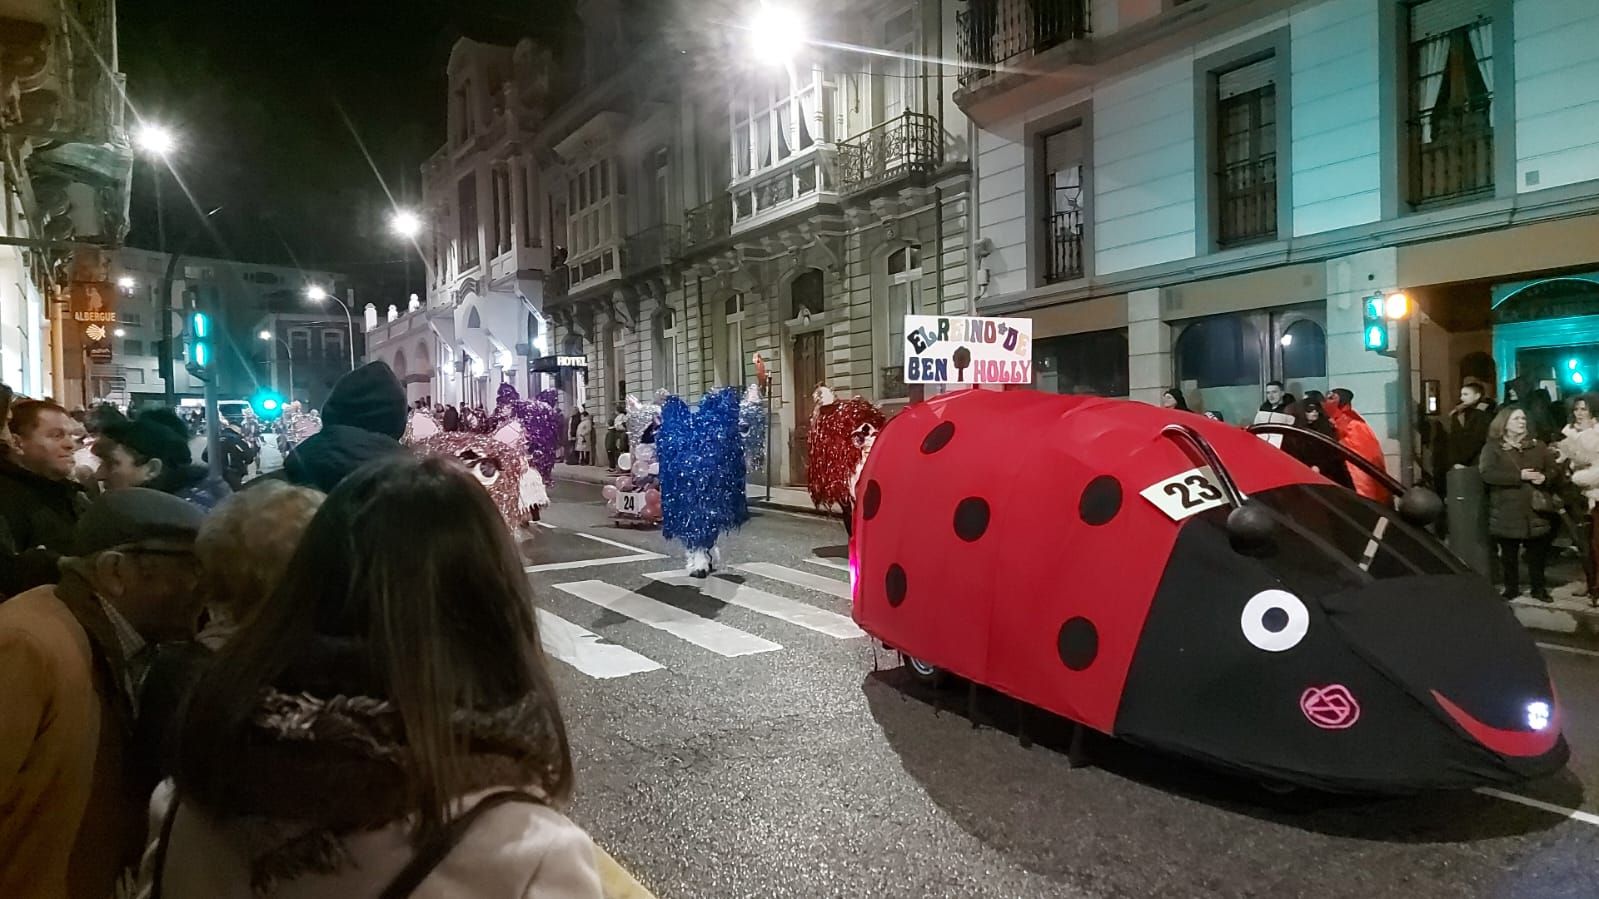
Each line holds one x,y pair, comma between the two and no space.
484,246
715,206
307,348
66,171
1201,193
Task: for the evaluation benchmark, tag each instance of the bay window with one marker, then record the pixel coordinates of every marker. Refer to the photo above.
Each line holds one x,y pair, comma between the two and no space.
771,123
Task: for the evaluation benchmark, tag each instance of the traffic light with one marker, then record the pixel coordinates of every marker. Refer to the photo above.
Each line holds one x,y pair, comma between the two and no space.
1576,372
268,404
1375,325
202,353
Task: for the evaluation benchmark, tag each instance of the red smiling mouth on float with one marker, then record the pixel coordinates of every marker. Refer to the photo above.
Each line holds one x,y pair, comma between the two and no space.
1509,743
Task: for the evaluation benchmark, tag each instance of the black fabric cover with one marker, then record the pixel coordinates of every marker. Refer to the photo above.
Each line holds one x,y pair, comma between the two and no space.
1198,687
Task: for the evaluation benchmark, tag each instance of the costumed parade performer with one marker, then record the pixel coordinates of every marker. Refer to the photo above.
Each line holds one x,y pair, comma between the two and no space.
540,423
498,461
299,425
702,475
836,450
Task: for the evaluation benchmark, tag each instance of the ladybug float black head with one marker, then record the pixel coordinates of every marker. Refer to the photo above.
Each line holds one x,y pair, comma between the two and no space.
1085,556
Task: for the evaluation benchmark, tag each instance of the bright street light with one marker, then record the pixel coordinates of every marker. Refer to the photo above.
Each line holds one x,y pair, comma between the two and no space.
120,333
316,292
126,283
155,139
405,223
776,33
265,335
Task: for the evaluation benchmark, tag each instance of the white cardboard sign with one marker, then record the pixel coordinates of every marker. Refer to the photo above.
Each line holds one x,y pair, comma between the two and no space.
630,503
951,349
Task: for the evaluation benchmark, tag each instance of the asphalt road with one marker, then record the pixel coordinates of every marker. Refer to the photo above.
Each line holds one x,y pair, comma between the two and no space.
730,743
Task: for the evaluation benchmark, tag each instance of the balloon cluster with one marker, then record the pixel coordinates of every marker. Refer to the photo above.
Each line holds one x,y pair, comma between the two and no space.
702,473
540,423
636,494
752,427
836,449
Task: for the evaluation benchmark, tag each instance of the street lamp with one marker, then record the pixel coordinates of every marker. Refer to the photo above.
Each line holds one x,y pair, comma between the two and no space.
776,33
127,283
119,333
405,223
316,293
157,141
267,337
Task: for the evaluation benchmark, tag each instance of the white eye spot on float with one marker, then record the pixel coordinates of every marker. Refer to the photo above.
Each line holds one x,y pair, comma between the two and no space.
1274,620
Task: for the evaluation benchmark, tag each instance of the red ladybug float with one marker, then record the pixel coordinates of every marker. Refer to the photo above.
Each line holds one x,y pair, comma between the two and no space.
1182,584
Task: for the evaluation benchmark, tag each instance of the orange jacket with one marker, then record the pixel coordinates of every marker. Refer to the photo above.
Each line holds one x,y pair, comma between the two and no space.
1354,433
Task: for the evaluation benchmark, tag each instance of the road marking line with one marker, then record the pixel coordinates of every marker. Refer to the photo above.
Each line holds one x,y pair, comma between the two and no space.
609,542
807,616
702,632
1571,649
585,650
591,563
829,563
615,881
546,524
1573,814
817,582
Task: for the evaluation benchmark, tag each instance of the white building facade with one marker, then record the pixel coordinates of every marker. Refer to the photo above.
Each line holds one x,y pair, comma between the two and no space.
715,207
485,249
1201,194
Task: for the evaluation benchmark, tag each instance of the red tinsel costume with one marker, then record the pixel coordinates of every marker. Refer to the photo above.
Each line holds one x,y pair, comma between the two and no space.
834,454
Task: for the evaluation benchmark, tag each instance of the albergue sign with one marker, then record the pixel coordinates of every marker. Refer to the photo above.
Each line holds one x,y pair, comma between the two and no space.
943,349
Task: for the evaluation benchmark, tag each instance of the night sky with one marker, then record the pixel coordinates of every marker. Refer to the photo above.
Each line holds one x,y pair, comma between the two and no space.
255,92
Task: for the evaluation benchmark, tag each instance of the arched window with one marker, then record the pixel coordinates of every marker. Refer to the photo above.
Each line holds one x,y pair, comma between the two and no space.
904,283
1223,351
805,294
1304,349
473,320
733,342
400,367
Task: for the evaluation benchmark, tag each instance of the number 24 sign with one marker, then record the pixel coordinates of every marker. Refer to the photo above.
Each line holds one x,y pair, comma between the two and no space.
1185,495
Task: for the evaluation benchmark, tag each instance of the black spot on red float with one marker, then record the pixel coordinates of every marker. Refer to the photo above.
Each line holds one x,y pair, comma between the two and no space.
971,518
894,585
938,438
1078,643
873,499
1101,500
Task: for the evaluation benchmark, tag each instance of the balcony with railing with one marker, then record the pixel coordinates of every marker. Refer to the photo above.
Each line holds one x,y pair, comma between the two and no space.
708,223
651,248
992,33
906,145
1452,154
1063,246
796,184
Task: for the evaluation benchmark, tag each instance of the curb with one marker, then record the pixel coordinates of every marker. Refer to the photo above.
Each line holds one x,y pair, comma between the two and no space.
615,882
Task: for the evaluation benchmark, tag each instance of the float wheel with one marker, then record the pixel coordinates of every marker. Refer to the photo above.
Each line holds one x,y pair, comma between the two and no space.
924,673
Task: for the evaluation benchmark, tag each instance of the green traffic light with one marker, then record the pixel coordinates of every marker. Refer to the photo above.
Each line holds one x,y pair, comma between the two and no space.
202,325
1376,337
202,354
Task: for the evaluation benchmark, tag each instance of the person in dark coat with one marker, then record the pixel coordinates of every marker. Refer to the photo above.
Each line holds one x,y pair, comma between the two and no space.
1516,466
152,450
1173,399
362,420
1325,460
1278,399
1468,426
452,419
39,501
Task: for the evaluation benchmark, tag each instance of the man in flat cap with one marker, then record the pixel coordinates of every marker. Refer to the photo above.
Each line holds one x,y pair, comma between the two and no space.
72,807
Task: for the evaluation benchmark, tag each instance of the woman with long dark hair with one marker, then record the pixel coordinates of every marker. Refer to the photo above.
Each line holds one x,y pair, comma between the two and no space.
384,725
1327,460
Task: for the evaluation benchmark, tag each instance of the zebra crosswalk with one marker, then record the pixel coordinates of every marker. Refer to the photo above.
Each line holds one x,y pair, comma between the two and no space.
593,655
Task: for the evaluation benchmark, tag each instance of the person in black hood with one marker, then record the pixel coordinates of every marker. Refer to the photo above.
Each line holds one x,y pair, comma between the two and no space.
1310,415
152,450
362,420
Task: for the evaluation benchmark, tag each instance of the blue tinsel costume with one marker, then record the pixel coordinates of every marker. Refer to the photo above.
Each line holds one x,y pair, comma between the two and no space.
702,469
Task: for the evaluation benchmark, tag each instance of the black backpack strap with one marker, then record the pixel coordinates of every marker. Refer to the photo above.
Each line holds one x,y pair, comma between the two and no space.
429,855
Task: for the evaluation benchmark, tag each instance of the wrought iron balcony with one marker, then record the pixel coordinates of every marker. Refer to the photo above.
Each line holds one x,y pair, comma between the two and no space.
651,248
1063,246
990,33
902,146
708,223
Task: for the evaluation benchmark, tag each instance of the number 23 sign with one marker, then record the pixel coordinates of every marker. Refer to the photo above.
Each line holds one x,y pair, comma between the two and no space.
1185,495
